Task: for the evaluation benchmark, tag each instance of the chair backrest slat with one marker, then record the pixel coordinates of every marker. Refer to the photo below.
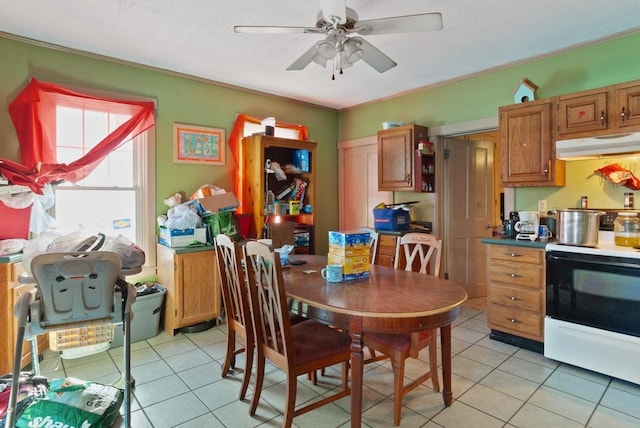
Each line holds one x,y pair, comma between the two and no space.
232,281
422,247
268,300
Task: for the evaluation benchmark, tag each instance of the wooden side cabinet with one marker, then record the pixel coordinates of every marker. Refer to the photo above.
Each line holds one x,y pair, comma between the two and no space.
190,276
516,293
10,292
386,249
527,150
396,157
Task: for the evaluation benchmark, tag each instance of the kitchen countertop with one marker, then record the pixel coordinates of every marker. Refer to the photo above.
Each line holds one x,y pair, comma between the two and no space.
497,240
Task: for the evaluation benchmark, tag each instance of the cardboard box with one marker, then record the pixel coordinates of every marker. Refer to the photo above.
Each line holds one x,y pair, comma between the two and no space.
181,237
353,267
217,203
350,243
389,219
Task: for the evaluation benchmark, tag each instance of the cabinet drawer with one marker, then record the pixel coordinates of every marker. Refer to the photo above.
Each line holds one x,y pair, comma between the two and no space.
516,274
517,254
516,322
516,298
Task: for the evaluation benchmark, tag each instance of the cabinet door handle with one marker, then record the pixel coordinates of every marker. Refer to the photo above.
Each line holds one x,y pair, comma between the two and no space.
603,118
623,115
408,178
548,168
514,275
513,321
514,298
514,255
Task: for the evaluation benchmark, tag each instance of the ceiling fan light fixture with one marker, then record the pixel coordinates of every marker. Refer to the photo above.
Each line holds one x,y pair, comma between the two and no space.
320,60
326,50
352,51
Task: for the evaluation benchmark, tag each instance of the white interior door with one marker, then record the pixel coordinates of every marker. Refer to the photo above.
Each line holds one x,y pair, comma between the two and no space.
468,210
358,177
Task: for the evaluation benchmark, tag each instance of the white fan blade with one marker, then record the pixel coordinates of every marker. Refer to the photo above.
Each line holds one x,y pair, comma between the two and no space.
258,29
373,56
401,24
337,8
305,59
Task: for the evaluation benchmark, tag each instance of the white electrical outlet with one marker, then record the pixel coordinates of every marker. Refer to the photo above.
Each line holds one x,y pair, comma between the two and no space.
542,205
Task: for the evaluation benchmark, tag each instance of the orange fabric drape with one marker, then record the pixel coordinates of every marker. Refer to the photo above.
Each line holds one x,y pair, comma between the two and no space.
235,143
33,113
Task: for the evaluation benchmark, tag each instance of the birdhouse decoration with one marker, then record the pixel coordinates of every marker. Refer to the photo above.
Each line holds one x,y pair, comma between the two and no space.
526,91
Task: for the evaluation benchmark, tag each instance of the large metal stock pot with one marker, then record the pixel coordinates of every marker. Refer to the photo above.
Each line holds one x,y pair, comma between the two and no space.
578,227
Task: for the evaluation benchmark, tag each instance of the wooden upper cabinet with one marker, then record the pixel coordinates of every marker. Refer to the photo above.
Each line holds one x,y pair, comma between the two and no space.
396,151
583,112
628,106
609,110
527,150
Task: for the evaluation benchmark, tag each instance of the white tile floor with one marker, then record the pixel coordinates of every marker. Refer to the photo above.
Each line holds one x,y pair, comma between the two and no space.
178,384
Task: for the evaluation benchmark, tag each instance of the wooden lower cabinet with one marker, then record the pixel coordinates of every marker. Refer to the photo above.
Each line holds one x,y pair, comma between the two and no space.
386,249
193,286
10,292
516,293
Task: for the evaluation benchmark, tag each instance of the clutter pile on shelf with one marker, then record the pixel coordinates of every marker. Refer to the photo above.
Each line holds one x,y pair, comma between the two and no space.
193,223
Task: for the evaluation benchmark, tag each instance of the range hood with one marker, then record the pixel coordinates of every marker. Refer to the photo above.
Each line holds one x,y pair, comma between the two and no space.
598,147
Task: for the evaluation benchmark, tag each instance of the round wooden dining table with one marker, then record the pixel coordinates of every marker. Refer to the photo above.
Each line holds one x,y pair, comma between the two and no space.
388,301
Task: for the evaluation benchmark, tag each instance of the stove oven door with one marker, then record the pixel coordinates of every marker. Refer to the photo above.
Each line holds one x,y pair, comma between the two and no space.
593,290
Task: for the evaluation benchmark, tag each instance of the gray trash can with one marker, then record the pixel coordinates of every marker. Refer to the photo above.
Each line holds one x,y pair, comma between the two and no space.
146,315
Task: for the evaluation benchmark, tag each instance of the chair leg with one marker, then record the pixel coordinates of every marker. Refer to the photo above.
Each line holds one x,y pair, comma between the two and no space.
258,386
248,355
230,357
433,361
398,382
290,403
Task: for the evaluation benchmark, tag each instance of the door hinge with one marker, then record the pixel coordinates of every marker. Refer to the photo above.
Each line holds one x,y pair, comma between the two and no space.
445,153
446,275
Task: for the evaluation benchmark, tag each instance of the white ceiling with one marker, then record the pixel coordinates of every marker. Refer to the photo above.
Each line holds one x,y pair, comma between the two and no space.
196,37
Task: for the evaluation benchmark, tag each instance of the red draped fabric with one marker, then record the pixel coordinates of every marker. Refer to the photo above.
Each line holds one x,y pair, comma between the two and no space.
235,142
33,113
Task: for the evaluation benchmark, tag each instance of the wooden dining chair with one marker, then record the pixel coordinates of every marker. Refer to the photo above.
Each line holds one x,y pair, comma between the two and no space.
418,249
235,296
296,349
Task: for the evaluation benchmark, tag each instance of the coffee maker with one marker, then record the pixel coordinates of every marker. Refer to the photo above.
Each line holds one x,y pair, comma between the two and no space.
527,226
509,225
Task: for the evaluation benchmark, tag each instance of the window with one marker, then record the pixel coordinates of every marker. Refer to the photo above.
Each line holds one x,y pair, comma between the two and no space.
110,200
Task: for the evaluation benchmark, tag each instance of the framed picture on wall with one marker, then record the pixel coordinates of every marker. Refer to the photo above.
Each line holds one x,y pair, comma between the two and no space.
198,144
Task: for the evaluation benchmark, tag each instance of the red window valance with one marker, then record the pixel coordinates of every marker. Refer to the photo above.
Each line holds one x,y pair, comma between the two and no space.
33,113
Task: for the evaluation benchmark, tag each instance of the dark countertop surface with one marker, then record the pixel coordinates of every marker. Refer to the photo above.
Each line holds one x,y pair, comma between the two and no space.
498,240
401,232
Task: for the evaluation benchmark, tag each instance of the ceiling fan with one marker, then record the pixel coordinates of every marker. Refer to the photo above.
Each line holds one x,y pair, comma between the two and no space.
338,23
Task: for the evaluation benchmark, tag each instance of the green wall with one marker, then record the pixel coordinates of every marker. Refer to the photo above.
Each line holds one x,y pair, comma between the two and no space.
179,99
186,100
478,97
